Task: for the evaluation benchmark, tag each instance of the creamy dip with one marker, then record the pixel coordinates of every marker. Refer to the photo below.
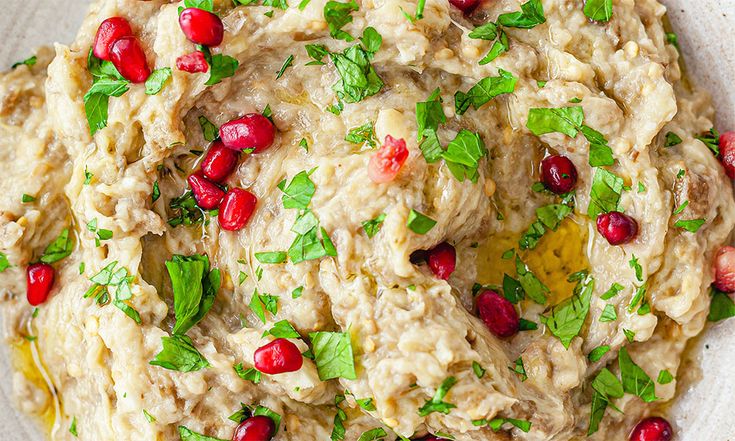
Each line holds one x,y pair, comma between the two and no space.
391,350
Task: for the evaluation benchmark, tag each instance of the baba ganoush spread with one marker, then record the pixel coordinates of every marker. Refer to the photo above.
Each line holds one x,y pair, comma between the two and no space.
372,220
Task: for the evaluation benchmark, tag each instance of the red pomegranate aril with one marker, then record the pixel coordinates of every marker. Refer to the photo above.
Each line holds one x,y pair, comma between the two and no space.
236,209
278,357
442,260
207,194
108,33
201,27
385,164
558,174
252,131
616,227
652,429
465,5
725,269
255,428
498,313
727,153
192,63
219,162
39,280
128,57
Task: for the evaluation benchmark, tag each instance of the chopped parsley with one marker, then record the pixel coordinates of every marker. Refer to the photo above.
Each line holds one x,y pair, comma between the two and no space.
598,10
220,66
463,154
298,193
155,82
358,79
629,335
512,289
179,354
664,377
363,134
187,435
109,278
519,369
337,15
711,140
609,314
484,91
372,226
672,139
271,257
532,286
636,266
566,319
497,423
635,380
477,369
100,233
690,225
286,65
73,427
106,82
605,193
60,248
527,325
547,216
530,15
260,303
373,435
251,374
614,290
605,386
333,355
209,130
194,288
596,354
437,403
26,198
721,306
419,223
4,262
30,62
296,293
150,418
283,329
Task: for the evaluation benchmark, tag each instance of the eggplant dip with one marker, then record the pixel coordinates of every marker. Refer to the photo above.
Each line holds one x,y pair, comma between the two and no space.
432,220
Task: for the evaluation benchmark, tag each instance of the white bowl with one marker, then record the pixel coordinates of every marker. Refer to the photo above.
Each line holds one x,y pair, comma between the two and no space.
706,30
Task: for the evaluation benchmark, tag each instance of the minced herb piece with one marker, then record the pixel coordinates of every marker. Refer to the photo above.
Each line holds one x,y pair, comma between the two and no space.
484,91
358,79
317,52
629,335
641,187
604,193
150,418
207,5
463,154
598,10
547,216
532,286
260,303
30,62
155,82
596,354
298,193
711,140
721,306
271,257
372,226
691,225
100,233
60,248
4,262
605,386
531,14
633,263
337,15
635,380
419,223
640,295
681,207
108,277
194,287
73,427
296,293
566,319
437,403
187,435
209,130
519,368
373,435
304,144
286,65
614,290
672,139
512,289
251,374
283,329
664,377
333,355
527,325
497,423
179,354
362,134
477,369
26,198
106,82
609,314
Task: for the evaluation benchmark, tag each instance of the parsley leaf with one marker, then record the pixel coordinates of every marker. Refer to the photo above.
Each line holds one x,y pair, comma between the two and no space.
566,319
209,130
635,380
566,120
430,114
299,191
179,354
221,67
691,225
437,403
711,140
485,90
187,435
155,82
672,139
4,263
531,14
60,248
252,375
283,329
260,303
207,5
598,10
547,216
271,257
107,82
636,266
419,223
358,79
372,226
721,306
371,39
194,287
664,377
30,61
362,134
609,314
596,354
604,193
532,286
477,369
463,154
373,435
338,15
519,369
317,52
333,355
286,65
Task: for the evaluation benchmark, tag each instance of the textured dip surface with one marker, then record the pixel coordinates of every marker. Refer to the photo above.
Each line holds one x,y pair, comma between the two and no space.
86,364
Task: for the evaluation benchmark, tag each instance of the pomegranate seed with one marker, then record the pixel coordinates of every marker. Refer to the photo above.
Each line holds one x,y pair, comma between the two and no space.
128,57
220,162
725,269
442,260
201,27
207,194
39,280
108,33
256,428
498,313
727,153
192,63
278,357
616,227
464,5
236,209
558,174
652,429
388,160
252,131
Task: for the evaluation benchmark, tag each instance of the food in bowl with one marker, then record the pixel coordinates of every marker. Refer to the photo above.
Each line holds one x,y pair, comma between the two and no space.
331,220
